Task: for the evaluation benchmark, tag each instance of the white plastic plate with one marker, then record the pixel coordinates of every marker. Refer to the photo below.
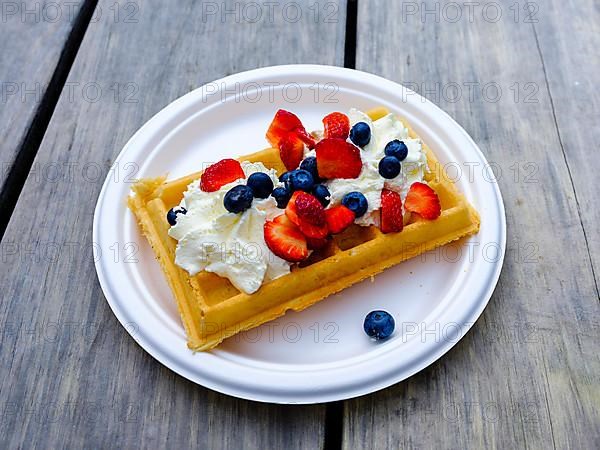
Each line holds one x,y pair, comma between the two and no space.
320,354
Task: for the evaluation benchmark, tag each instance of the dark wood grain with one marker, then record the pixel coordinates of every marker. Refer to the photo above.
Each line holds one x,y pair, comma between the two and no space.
528,374
72,376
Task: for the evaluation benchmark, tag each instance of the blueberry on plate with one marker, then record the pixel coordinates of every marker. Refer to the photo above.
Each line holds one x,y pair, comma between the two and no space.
396,148
322,193
172,214
261,184
379,325
355,202
310,165
389,167
300,180
238,199
282,196
360,134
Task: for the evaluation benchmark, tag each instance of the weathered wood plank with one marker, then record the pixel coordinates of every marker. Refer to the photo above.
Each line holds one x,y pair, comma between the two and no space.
33,35
528,374
67,357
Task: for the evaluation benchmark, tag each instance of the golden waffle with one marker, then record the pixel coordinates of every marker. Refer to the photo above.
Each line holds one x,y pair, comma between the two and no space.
212,309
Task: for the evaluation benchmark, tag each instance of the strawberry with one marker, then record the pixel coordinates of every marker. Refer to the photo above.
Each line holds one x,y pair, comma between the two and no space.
316,243
337,158
221,173
284,220
290,209
285,122
423,200
307,215
286,242
391,212
291,150
310,209
337,125
338,218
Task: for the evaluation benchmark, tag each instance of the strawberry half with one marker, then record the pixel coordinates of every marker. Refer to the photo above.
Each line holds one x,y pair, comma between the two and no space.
338,218
310,209
303,220
286,242
221,173
391,212
336,125
291,150
283,123
337,158
423,200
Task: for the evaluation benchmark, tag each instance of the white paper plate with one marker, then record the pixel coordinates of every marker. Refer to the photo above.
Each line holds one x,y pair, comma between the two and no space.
322,353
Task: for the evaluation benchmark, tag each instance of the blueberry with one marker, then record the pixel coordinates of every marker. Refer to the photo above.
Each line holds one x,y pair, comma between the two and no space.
238,199
379,325
261,184
284,176
322,194
396,148
281,196
389,167
360,134
310,165
172,214
300,180
356,202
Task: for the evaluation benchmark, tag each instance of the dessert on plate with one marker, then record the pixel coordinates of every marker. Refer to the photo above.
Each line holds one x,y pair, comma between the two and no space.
249,238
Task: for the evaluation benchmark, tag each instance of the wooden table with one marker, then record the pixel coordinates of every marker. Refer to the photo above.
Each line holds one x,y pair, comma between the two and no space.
78,79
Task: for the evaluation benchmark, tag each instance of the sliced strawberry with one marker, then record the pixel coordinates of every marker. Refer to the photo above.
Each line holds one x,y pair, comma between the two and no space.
423,200
221,173
336,125
338,218
284,220
286,242
291,150
283,123
310,209
306,227
313,231
337,158
316,244
391,212
291,211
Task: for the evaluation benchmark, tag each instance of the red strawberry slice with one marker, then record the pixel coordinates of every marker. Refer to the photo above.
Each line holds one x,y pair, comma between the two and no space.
291,211
391,212
423,200
310,209
307,228
284,220
316,243
221,173
337,125
286,242
285,122
291,150
337,158
338,218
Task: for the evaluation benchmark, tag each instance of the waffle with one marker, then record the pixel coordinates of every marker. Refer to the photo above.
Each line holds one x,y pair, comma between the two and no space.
212,309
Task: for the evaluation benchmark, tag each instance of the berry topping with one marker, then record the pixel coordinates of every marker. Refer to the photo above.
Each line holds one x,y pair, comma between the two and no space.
238,199
389,167
316,243
355,202
337,158
172,214
304,220
396,148
261,184
285,241
391,212
310,209
322,194
219,174
281,196
338,218
379,325
423,200
291,150
300,180
360,134
284,177
310,165
286,122
337,125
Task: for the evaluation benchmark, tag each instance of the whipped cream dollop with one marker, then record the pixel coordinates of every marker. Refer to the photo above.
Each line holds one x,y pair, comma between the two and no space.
370,182
231,245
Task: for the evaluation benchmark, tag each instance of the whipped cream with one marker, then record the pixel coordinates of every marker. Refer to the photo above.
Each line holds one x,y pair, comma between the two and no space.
231,245
370,182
